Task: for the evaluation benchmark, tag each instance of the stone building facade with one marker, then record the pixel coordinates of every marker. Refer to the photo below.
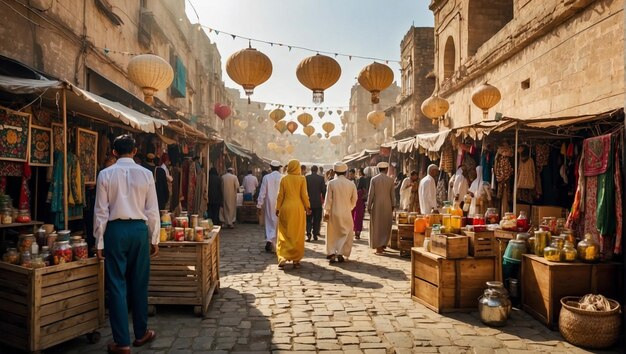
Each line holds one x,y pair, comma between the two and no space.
417,53
89,43
548,58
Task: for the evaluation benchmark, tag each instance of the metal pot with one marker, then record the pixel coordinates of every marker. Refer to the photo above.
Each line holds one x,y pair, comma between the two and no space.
493,308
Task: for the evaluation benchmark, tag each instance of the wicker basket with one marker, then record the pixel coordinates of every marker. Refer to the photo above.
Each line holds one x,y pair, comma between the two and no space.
589,329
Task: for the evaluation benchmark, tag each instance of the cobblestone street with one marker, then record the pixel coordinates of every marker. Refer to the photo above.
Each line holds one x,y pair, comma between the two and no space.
361,306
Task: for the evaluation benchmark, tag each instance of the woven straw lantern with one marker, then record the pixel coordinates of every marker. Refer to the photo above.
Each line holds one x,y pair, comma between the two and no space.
292,126
281,126
150,72
375,78
375,118
485,97
249,68
308,130
435,107
305,119
277,114
328,127
318,73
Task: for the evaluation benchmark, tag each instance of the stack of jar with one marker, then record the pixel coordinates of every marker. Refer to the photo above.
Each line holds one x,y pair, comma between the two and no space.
6,209
35,252
185,228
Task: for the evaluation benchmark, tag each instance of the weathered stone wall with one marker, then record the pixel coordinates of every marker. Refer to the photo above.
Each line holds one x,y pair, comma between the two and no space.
568,55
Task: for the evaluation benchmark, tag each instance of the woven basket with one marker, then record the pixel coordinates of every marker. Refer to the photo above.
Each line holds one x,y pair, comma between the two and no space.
589,329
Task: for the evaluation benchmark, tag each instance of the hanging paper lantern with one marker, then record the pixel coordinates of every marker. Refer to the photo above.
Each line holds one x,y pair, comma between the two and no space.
320,114
434,107
308,130
328,127
485,97
289,149
375,118
335,140
292,126
277,114
243,124
222,111
305,119
281,126
339,112
249,68
150,72
318,73
375,78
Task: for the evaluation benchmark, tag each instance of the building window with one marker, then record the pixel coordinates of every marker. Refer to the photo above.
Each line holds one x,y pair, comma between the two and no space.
485,19
449,58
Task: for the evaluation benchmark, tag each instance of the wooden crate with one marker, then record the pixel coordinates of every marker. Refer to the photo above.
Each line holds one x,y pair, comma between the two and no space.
450,246
47,306
405,239
544,283
393,240
446,285
247,214
418,239
185,273
481,244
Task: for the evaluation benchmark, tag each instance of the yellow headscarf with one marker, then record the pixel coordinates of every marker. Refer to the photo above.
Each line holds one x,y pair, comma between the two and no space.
293,167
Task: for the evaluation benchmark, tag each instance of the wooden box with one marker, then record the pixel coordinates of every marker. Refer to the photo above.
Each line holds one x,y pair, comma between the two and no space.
43,307
405,239
418,239
445,285
247,214
185,273
393,240
450,246
481,244
544,283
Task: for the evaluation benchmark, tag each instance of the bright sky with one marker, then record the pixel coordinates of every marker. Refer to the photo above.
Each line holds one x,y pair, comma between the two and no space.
371,28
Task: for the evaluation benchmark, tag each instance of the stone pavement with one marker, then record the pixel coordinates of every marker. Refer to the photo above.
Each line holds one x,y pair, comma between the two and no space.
361,306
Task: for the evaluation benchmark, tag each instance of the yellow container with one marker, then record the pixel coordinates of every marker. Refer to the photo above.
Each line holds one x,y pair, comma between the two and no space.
163,235
446,220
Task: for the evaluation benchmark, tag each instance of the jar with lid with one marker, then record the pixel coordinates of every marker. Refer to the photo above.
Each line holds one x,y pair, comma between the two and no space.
62,252
494,306
434,217
560,240
179,234
515,249
456,209
193,221
522,222
7,216
412,217
182,222
508,222
63,235
457,222
45,255
198,234
541,241
549,223
38,262
75,239
26,260
552,253
560,225
569,253
446,221
478,221
588,249
25,242
79,250
569,236
447,205
23,216
163,235
11,256
51,240
492,216
420,224
41,237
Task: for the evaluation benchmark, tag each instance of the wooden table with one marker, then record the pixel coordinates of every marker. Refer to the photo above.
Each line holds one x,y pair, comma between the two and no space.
544,283
185,273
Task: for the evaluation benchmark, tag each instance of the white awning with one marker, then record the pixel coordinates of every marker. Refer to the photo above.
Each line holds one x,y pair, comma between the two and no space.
431,141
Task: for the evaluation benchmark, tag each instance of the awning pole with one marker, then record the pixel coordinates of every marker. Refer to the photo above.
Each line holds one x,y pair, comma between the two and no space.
65,211
515,170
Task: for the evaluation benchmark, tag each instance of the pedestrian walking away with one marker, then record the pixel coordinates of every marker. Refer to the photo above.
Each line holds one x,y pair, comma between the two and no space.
250,184
380,204
362,189
268,193
316,189
216,199
126,221
292,204
340,200
230,188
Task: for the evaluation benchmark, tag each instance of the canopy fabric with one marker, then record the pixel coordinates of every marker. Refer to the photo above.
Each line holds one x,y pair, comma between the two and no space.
237,150
360,155
431,141
406,145
27,86
185,129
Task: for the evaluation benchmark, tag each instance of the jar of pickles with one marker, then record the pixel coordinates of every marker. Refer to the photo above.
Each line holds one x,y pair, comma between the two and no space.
25,242
193,221
199,234
552,253
541,241
522,222
569,253
492,216
434,217
182,222
62,252
560,240
38,262
549,223
163,235
457,222
7,216
179,234
588,249
11,256
79,250
569,236
26,260
23,216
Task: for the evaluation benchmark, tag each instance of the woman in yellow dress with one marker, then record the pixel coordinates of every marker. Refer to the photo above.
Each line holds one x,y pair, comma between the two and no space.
291,206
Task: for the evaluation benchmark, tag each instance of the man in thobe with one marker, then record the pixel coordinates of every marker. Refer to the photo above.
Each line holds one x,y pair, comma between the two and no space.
380,203
126,222
340,200
267,200
230,188
250,184
428,190
316,188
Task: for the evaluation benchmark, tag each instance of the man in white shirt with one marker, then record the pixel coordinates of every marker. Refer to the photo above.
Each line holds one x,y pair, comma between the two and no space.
230,188
268,193
126,221
428,190
250,183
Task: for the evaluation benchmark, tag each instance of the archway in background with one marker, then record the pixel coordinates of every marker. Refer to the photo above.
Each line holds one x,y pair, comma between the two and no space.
449,58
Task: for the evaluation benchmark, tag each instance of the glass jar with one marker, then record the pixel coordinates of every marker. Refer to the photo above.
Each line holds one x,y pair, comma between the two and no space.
447,205
199,234
457,222
560,240
38,262
193,221
41,237
23,216
522,222
182,222
26,260
508,222
163,235
412,217
560,225
569,236
478,221
7,216
51,240
456,210
541,241
75,239
588,249
530,244
552,253
569,253
420,224
25,243
62,252
446,221
11,256
426,244
492,216
179,234
45,255
79,250
63,235
434,217
549,223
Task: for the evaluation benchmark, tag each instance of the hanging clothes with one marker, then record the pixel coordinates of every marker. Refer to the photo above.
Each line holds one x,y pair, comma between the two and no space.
618,205
487,161
24,202
76,188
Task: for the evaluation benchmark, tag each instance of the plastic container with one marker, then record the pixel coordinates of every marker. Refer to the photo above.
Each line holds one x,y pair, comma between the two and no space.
515,249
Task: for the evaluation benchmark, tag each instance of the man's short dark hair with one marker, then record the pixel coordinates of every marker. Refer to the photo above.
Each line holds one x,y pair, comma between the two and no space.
124,144
413,173
314,168
340,173
249,172
352,170
275,168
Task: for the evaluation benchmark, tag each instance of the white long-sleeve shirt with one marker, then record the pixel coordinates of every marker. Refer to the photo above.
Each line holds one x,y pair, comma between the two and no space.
250,184
125,191
427,194
267,198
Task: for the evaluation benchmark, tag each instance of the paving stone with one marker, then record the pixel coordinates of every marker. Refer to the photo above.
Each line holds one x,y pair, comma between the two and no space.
325,333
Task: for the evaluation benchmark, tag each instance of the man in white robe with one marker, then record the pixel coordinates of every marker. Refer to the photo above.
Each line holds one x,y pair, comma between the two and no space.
268,193
341,197
230,188
428,190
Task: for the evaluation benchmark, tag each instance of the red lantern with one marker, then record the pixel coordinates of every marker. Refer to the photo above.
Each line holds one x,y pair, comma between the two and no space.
222,111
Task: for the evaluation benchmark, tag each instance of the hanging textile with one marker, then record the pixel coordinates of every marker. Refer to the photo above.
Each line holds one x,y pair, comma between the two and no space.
24,202
175,206
76,189
598,153
486,161
184,189
618,205
11,168
503,171
606,190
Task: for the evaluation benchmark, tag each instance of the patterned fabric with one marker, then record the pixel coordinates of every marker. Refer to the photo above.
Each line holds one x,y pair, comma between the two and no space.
605,214
597,154
11,168
542,155
618,205
591,203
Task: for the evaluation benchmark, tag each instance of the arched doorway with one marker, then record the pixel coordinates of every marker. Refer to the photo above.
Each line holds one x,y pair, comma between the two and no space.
449,58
